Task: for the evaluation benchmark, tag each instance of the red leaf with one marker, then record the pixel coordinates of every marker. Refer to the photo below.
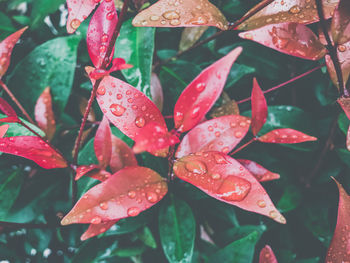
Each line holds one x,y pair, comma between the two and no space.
44,115
338,251
103,143
348,139
100,32
126,193
155,139
345,104
6,47
343,52
85,169
260,173
187,13
122,155
33,148
259,108
219,134
289,38
341,23
97,229
8,111
78,11
267,255
117,64
157,91
126,107
201,94
286,136
225,179
3,130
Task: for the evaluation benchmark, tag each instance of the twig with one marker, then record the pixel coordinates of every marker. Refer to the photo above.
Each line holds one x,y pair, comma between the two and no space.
332,50
244,146
286,82
13,98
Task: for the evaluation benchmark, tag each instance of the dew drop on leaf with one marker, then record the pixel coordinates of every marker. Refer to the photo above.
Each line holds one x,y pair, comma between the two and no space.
117,109
196,167
234,188
133,211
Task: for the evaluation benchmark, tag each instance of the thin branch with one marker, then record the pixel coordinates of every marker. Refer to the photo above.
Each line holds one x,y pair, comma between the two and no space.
332,50
244,146
286,82
13,98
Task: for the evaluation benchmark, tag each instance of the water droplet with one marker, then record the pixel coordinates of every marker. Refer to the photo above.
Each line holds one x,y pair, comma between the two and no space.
171,14
104,206
178,116
132,194
261,203
104,38
133,211
117,110
196,167
200,86
234,188
341,48
152,197
96,220
75,23
219,159
195,112
238,134
216,176
154,18
295,9
140,122
110,15
101,90
273,214
198,20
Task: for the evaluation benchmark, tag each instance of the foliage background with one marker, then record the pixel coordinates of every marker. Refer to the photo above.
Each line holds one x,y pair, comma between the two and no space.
305,194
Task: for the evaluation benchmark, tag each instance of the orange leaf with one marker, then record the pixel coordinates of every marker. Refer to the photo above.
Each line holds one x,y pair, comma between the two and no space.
97,229
103,143
286,135
122,155
260,173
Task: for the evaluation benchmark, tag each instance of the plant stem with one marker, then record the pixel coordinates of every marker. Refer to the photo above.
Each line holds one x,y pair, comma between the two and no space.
286,82
332,50
13,98
244,146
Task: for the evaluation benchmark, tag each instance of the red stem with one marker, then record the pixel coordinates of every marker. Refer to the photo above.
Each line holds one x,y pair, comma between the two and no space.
244,146
13,98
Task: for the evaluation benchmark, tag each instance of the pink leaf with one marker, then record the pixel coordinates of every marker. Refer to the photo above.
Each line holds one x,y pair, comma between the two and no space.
100,32
219,134
117,64
97,229
286,136
3,130
289,38
8,111
155,139
122,155
341,23
44,115
201,94
225,179
126,193
78,11
338,251
6,47
33,148
267,255
103,143
260,173
126,107
84,170
348,139
259,108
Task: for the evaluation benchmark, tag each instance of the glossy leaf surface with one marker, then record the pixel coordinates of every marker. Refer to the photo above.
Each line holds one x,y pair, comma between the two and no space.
85,169
219,134
259,108
100,32
286,136
8,111
348,139
188,13
289,38
345,105
103,143
78,11
298,11
126,193
44,115
6,47
97,229
225,179
267,255
157,91
338,250
122,155
34,149
155,139
340,27
126,107
3,130
260,173
200,95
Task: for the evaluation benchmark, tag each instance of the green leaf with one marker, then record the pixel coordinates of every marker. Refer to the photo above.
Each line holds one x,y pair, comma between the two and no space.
51,64
16,129
136,46
5,23
146,236
177,229
290,199
42,8
9,191
343,123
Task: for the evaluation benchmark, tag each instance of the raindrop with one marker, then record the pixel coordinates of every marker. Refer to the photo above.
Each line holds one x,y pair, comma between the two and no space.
196,167
140,122
152,197
96,220
133,211
117,110
104,206
75,23
234,188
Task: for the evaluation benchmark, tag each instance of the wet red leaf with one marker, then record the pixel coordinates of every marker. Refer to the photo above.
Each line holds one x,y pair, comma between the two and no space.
33,148
260,173
187,13
78,11
219,134
126,193
225,179
126,107
341,23
44,115
157,91
343,52
3,130
6,47
345,105
8,111
289,38
155,139
348,139
267,255
122,155
286,136
200,95
85,169
279,11
100,32
97,229
117,64
339,249
103,143
259,108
